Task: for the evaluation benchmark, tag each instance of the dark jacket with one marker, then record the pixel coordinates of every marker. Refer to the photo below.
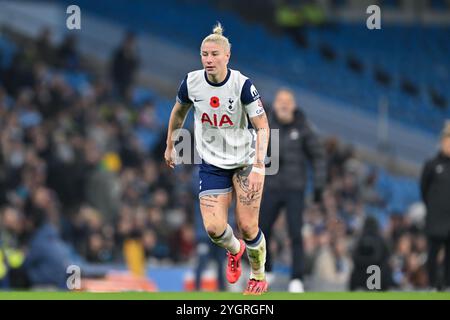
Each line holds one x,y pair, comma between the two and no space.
47,258
435,190
124,66
299,144
370,249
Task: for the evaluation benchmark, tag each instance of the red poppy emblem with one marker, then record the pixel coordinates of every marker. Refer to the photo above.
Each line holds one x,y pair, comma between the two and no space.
214,102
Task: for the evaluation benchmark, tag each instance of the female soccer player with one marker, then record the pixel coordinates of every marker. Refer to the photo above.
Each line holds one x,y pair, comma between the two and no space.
223,101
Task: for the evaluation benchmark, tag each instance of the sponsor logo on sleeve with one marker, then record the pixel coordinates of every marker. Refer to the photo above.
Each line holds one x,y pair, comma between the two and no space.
254,92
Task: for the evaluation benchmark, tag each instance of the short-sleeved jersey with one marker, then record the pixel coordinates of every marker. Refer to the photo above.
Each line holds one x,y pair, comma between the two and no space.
221,112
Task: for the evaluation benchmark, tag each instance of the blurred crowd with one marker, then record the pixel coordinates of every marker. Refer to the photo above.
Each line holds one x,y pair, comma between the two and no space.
74,159
76,180
342,239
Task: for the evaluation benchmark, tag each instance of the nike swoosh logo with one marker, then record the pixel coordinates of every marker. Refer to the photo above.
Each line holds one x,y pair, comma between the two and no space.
197,100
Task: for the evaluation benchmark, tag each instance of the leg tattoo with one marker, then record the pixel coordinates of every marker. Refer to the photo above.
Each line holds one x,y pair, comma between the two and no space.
249,197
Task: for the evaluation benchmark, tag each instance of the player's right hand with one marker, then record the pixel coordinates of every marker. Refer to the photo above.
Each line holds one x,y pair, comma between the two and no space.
169,156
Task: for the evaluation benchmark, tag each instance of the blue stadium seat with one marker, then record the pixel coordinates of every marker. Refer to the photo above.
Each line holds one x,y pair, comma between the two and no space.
417,53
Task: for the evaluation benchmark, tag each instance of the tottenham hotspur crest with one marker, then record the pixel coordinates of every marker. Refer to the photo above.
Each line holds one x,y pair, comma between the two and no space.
231,107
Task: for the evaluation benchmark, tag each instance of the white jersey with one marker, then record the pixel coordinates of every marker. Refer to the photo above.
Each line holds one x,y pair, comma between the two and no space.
221,112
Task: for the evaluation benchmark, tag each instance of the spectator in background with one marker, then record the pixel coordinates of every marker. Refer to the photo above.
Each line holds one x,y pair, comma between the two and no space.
124,65
311,248
182,239
298,145
370,249
96,252
399,260
44,49
153,245
288,17
335,158
18,74
102,185
435,190
369,193
332,267
416,272
47,256
68,55
12,274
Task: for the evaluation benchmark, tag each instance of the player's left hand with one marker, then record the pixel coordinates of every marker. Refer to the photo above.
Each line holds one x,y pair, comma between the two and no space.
256,179
169,156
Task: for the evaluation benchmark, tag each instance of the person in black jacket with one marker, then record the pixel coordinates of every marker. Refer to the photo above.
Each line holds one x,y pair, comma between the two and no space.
125,63
370,250
298,146
435,190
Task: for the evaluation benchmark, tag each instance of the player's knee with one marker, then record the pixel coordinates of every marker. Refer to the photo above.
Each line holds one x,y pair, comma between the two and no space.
249,231
213,231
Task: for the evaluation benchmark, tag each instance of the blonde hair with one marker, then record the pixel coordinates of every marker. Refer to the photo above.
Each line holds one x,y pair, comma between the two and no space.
218,37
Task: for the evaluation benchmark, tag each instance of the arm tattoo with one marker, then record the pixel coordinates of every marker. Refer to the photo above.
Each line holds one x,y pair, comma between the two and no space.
262,138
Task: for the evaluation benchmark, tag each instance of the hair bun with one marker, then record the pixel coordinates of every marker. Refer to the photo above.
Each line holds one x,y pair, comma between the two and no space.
218,29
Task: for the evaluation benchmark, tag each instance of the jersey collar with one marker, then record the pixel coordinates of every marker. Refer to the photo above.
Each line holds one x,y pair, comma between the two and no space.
220,83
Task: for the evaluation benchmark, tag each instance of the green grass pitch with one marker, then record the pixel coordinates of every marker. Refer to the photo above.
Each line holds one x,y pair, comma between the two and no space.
224,296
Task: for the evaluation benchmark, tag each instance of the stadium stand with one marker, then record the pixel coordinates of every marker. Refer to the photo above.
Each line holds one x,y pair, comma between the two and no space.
412,56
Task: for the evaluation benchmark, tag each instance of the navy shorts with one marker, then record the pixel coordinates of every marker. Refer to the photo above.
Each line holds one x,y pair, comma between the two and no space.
215,180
